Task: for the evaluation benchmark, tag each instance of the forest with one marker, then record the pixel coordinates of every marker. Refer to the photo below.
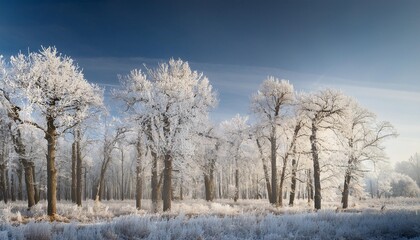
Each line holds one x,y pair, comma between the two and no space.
156,150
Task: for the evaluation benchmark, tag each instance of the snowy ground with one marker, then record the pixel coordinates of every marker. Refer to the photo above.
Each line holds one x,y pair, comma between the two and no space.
223,219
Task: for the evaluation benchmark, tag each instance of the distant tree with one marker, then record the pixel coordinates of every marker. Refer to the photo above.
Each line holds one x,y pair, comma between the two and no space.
323,109
411,167
267,104
403,186
236,132
55,89
363,139
113,134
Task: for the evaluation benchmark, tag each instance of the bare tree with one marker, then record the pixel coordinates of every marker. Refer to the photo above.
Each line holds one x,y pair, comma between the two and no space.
323,108
267,104
363,139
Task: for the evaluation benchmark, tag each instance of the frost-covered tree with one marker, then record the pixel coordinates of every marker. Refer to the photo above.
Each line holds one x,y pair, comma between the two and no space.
362,138
411,167
235,132
267,104
170,100
323,109
53,90
113,133
403,186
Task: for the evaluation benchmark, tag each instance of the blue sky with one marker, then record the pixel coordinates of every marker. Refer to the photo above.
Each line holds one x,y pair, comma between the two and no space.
369,49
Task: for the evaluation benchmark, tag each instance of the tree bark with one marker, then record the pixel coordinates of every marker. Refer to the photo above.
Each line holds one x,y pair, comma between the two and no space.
345,198
35,185
139,182
209,178
51,137
273,141
282,177
79,185
20,187
266,175
167,182
122,173
12,188
154,181
317,171
73,170
209,187
293,185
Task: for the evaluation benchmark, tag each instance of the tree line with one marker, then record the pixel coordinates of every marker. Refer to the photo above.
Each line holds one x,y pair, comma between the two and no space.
58,136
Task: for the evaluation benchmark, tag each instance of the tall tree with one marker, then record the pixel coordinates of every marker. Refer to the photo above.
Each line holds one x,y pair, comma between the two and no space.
323,109
54,87
174,99
268,103
363,139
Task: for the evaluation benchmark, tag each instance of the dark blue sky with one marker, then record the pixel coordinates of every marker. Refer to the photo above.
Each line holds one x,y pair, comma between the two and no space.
368,48
367,40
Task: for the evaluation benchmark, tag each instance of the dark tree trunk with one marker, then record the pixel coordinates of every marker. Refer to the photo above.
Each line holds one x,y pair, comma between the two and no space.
36,188
78,170
4,181
293,185
122,173
266,175
236,197
209,187
310,186
12,188
282,177
167,182
209,178
20,187
345,198
273,141
51,137
28,167
317,172
30,188
154,180
139,182
73,170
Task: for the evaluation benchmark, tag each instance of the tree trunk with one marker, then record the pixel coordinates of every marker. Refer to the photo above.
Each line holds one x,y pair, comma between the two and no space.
293,185
317,172
236,197
209,178
282,177
273,141
122,171
30,189
73,170
139,182
209,187
36,188
266,175
78,170
4,182
154,180
167,182
345,198
51,137
28,166
12,188
20,188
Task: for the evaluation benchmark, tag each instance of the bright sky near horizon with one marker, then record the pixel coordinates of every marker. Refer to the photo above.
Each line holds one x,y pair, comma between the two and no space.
369,49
